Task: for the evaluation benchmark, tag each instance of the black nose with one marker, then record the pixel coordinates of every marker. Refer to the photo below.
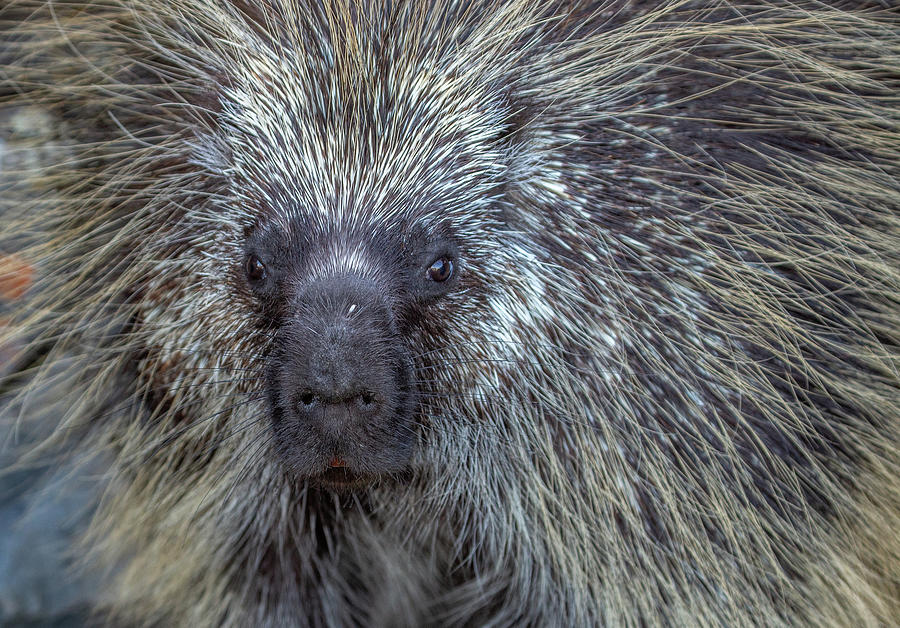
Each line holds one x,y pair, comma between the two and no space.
339,374
338,408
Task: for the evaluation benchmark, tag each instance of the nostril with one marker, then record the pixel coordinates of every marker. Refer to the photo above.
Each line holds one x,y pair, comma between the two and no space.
367,400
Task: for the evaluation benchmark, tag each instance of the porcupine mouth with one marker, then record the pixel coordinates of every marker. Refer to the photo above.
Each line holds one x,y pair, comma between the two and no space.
339,477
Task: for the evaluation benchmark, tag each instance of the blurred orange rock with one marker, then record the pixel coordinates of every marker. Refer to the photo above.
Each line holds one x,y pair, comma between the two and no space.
16,276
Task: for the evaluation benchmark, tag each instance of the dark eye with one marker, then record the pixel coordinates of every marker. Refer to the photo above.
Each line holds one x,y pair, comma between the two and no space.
440,270
256,270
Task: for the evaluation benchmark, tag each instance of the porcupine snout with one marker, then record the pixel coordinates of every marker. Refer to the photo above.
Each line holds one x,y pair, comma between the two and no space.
342,378
342,383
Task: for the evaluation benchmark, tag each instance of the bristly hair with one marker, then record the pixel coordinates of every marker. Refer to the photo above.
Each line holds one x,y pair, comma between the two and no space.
665,392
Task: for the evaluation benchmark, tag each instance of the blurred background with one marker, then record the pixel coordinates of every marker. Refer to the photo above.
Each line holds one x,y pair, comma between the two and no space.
43,504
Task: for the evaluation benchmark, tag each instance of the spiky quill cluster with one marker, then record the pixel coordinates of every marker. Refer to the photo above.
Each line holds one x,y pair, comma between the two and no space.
666,390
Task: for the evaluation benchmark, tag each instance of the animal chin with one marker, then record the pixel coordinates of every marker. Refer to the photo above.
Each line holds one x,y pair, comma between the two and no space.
341,478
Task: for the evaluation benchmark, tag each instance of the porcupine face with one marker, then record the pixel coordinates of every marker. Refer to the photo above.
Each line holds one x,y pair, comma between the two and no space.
339,376
363,250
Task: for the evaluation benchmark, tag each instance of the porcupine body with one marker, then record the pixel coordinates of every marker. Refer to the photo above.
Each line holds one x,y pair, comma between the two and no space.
485,313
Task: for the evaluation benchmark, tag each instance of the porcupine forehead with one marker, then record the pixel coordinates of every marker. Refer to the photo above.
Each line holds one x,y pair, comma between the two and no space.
349,125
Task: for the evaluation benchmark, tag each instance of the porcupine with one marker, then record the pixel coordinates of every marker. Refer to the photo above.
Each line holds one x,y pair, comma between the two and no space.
541,313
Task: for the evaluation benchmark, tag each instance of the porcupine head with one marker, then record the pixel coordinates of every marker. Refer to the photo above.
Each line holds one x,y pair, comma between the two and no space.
342,300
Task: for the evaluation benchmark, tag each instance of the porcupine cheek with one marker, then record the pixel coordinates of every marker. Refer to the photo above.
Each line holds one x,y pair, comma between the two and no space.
339,385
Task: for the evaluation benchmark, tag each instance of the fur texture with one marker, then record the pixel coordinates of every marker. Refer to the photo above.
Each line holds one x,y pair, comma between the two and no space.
664,389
